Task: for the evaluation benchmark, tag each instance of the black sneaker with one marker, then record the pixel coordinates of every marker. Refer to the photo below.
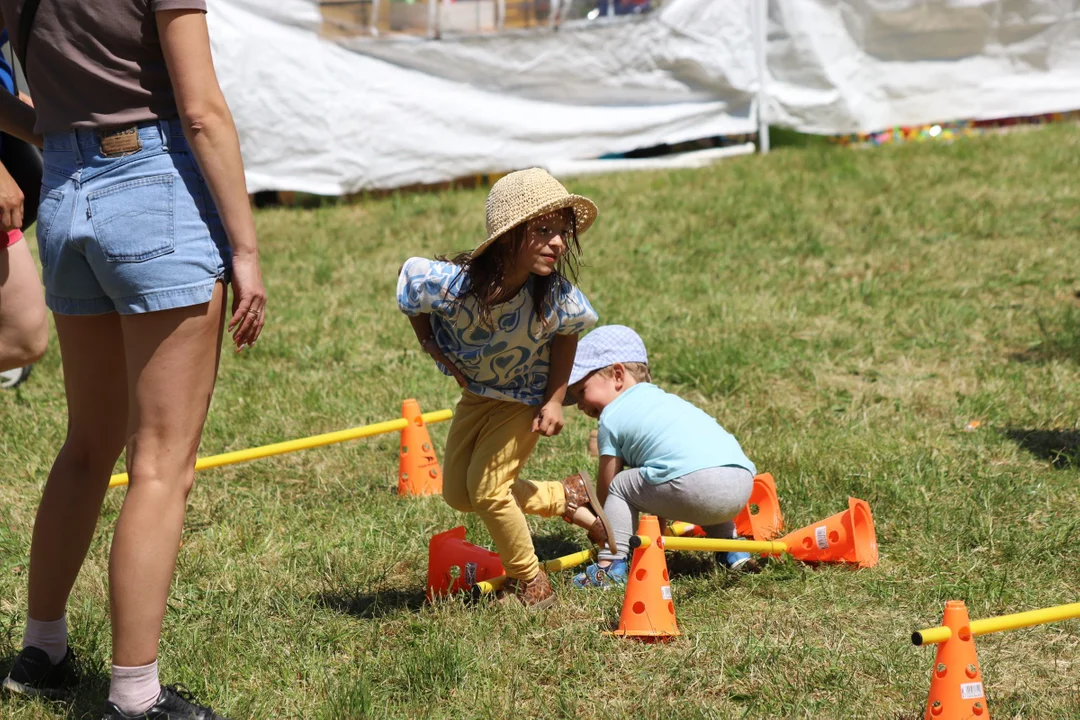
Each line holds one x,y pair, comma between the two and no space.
33,674
174,703
15,377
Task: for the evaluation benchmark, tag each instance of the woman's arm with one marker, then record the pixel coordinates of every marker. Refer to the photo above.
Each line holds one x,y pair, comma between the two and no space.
549,418
17,118
208,126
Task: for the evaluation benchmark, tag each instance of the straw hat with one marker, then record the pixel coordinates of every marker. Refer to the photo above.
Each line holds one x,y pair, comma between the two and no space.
528,194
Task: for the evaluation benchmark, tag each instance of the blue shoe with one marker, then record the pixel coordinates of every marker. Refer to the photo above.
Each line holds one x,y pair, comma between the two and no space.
737,561
614,575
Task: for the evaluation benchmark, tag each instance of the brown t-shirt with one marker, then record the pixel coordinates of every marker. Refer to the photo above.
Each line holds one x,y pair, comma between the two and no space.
96,63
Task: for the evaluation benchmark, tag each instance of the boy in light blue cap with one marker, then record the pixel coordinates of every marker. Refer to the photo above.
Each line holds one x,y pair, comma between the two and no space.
659,454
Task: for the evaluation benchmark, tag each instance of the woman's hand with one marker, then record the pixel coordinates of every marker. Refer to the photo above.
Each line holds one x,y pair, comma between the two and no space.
249,300
549,419
11,202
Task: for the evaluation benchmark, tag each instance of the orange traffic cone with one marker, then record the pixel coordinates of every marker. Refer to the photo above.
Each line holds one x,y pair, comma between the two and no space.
648,612
418,470
766,522
845,537
956,689
455,565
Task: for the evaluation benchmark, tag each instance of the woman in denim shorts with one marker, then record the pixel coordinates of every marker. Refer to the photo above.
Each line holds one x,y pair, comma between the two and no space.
143,221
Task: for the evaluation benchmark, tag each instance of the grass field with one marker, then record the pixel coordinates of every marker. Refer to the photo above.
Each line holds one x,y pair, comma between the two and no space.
845,314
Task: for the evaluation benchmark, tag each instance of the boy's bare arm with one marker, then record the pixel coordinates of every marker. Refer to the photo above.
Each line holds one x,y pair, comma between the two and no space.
610,466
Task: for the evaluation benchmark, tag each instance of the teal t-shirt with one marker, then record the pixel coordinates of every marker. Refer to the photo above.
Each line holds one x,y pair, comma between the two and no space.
665,436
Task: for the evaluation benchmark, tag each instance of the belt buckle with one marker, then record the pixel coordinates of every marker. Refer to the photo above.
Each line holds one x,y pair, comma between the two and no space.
120,141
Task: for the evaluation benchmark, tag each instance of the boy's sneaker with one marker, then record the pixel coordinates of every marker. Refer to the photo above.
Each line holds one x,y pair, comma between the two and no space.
174,703
33,674
738,562
612,576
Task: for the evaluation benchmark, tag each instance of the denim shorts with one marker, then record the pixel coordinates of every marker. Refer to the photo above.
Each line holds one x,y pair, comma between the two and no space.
129,227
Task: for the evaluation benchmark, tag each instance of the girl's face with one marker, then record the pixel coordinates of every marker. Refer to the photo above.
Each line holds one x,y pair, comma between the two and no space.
544,244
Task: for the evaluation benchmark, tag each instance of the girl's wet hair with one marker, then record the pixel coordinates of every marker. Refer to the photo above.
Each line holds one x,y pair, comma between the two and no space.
486,273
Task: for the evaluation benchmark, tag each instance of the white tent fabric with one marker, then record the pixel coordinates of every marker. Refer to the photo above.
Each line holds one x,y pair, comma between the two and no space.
840,66
338,116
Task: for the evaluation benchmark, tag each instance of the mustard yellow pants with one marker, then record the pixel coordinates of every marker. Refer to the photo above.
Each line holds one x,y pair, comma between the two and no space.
488,443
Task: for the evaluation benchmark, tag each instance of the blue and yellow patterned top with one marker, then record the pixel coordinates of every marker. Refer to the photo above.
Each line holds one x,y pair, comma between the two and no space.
510,362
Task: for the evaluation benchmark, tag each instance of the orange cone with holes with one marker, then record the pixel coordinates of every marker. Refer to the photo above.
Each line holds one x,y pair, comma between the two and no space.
455,565
845,537
648,612
765,522
956,689
418,471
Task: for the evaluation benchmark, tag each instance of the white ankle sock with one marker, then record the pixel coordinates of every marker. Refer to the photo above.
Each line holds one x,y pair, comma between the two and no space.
134,689
49,636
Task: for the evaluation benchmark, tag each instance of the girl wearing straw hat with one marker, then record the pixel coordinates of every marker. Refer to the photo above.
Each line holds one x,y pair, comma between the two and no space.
503,320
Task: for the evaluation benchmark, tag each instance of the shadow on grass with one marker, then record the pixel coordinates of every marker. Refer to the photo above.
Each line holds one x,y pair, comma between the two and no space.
87,701
1046,352
691,564
372,605
1060,447
552,546
1060,338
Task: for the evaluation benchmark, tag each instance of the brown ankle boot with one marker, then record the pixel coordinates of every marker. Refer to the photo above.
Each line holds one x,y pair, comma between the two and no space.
579,493
535,594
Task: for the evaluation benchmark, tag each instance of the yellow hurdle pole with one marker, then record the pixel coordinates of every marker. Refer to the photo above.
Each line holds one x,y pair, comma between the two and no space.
713,545
239,456
560,563
1015,621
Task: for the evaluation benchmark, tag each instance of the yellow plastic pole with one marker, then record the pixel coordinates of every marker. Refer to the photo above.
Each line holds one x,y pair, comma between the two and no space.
713,545
239,456
560,563
1015,621
930,636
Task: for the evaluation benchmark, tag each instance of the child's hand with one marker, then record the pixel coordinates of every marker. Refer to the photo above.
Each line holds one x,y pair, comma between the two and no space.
549,420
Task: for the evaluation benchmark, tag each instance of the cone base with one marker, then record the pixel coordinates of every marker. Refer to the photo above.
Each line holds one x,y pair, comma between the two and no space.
644,635
408,491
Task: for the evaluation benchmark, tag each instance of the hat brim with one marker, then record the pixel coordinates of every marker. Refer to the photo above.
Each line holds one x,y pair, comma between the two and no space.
577,374
584,210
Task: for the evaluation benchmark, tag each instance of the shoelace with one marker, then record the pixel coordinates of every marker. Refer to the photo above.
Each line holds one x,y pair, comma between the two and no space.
184,694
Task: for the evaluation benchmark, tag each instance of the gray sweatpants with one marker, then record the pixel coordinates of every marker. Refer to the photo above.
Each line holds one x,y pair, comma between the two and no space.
710,498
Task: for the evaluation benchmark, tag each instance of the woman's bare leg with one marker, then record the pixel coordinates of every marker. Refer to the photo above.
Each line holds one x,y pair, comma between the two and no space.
95,380
172,359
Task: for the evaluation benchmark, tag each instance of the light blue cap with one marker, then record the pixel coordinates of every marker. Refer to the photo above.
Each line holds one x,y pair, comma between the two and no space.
607,345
